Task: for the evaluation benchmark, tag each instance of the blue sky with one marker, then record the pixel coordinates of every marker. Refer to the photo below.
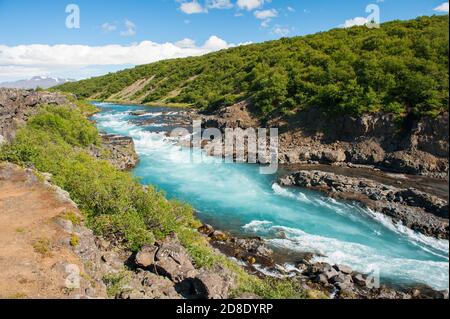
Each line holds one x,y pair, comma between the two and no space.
139,28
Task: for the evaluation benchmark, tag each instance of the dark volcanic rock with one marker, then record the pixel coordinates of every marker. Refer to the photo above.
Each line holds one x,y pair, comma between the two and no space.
417,210
118,150
172,260
418,146
16,106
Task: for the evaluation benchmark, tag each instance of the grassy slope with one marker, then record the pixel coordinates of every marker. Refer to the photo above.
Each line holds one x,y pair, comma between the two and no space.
401,67
115,204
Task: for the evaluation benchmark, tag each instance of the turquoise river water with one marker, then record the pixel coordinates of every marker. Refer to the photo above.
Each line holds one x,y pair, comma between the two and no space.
235,197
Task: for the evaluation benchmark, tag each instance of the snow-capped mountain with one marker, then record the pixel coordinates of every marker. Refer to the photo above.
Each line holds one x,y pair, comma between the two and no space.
35,82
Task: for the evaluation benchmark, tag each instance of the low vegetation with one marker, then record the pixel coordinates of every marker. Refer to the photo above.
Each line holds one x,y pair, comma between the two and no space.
114,203
42,246
401,68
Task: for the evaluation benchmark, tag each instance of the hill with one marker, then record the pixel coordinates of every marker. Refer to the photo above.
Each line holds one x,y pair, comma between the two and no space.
400,68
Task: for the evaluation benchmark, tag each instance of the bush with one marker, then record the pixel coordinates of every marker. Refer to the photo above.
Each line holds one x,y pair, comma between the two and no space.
115,204
401,66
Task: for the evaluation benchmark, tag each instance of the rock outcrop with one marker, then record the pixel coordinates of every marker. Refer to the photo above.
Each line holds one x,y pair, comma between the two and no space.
170,260
417,146
118,150
334,281
16,106
416,209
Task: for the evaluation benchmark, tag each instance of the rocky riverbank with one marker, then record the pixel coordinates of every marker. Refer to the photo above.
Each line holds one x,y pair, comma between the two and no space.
334,281
416,146
17,105
118,150
48,252
418,210
52,254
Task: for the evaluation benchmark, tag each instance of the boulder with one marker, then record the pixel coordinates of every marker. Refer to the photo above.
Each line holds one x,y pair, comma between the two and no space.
330,273
343,269
217,235
213,285
157,287
360,280
343,286
321,279
333,156
206,229
341,278
367,152
172,260
146,257
113,260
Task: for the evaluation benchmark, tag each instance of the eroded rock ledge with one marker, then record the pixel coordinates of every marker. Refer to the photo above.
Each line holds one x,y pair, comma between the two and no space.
16,106
118,150
420,211
417,146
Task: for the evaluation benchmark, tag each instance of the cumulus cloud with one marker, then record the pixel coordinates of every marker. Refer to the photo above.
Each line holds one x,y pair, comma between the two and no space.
442,8
185,43
192,7
251,4
71,60
130,29
358,21
266,16
219,4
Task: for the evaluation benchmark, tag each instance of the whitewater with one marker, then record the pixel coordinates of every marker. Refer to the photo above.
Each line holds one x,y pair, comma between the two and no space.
236,198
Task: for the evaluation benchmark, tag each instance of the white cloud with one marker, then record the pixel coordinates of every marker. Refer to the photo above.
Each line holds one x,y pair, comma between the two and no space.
442,8
266,16
251,4
108,27
219,4
358,21
192,7
215,43
280,30
75,61
130,29
185,43
290,9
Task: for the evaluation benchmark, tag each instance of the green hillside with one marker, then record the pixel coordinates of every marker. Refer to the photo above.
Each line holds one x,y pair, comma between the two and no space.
401,67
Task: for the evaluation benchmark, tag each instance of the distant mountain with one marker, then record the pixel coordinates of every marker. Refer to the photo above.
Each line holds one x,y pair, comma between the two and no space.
35,82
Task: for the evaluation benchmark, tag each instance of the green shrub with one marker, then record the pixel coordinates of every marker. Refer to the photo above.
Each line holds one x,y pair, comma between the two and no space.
401,66
115,204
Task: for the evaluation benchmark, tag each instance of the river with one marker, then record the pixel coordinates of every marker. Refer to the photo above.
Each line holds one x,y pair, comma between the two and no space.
237,198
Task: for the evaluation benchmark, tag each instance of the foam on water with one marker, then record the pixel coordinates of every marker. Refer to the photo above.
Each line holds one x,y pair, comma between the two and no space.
237,198
360,257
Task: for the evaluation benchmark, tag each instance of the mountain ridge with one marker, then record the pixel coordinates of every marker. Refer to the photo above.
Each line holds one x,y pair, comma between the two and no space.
35,82
400,68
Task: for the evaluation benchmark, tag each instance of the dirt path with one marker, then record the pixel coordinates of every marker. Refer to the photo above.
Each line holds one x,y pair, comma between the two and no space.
36,254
